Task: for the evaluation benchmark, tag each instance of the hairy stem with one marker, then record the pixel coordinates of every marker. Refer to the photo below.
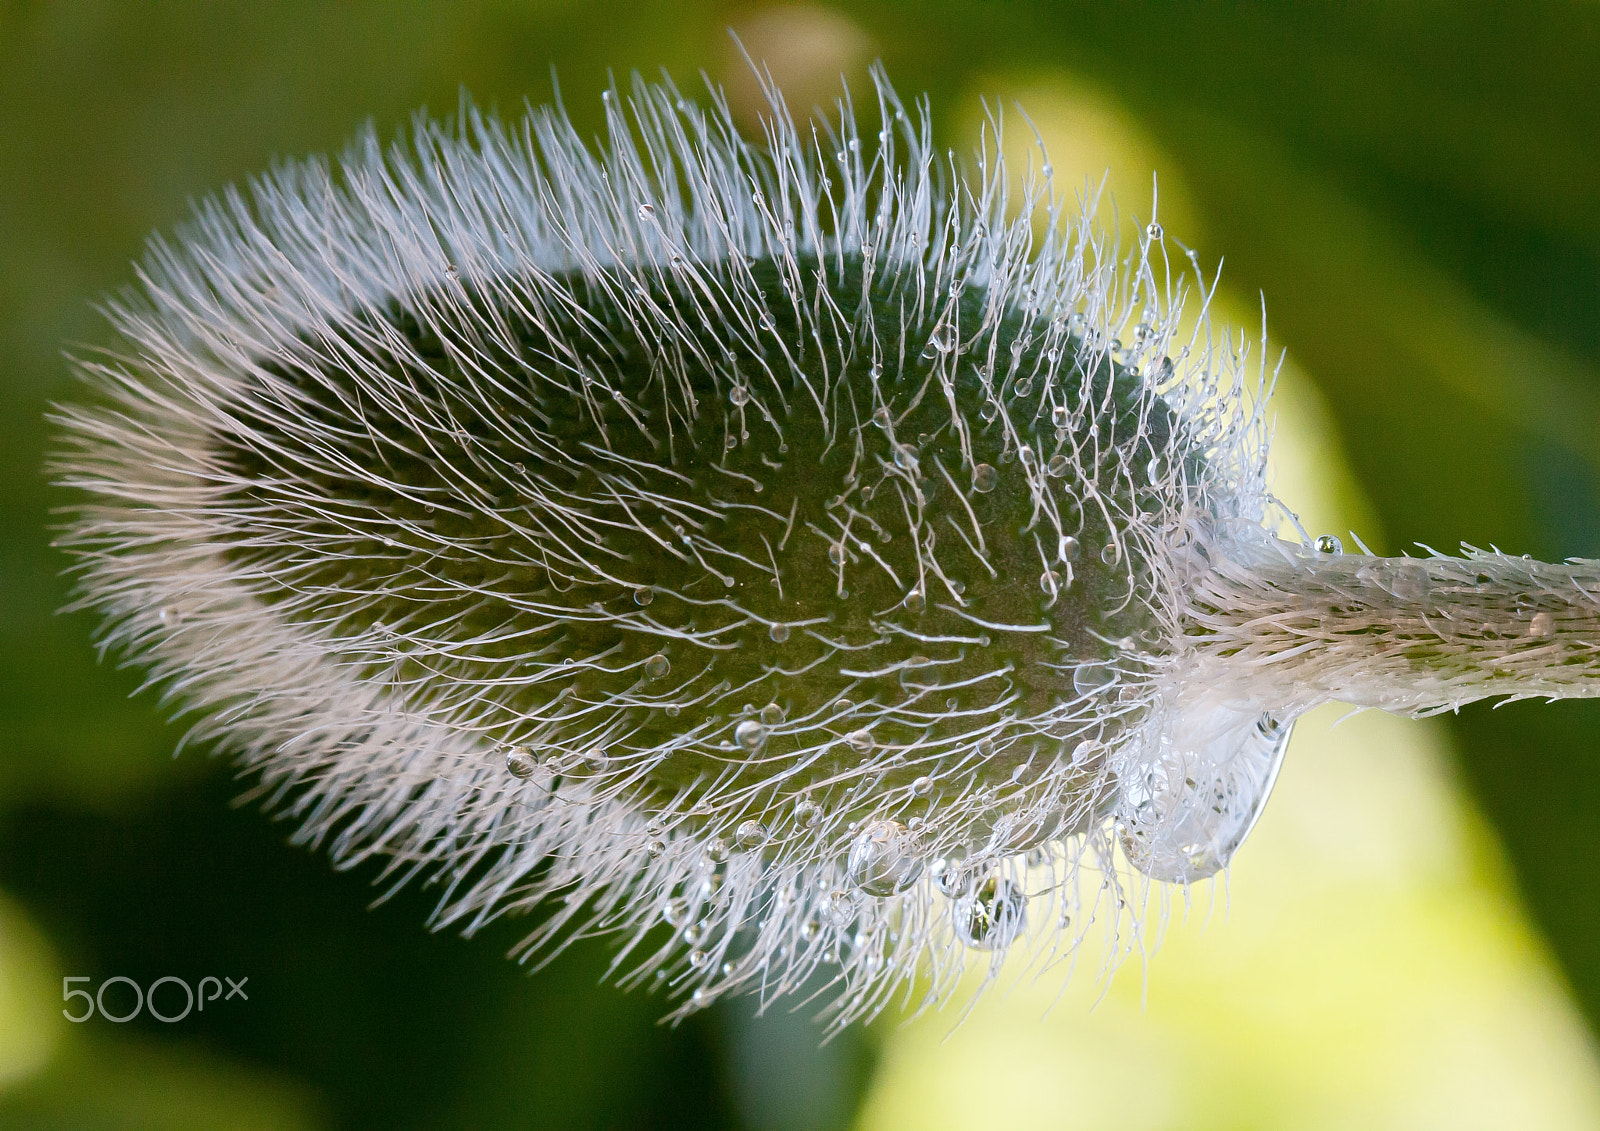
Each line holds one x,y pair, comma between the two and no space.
1413,635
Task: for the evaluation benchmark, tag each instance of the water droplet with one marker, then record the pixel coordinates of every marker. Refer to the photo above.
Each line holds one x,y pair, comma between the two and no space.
772,714
1185,815
943,338
915,601
1058,416
992,916
876,371
750,834
1022,386
676,911
1088,679
694,934
809,930
839,908
778,633
520,763
655,848
739,394
1050,582
1328,544
883,418
860,741
927,488
699,959
1542,626
647,211
844,706
922,786
657,666
1057,467
984,478
1153,231
988,410
836,553
908,676
751,735
905,457
643,595
1110,552
957,586
717,850
807,813
883,859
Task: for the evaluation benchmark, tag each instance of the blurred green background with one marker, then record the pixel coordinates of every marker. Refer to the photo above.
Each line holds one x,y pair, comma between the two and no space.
1415,188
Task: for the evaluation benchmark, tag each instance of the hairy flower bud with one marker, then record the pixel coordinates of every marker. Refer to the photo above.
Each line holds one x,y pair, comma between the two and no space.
775,544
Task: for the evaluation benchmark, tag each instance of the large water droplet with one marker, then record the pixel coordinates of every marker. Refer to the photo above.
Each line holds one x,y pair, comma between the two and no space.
751,735
1067,549
984,478
676,911
750,834
657,666
807,813
839,908
944,338
739,394
520,763
1328,544
1050,582
1109,553
1022,386
772,714
699,959
778,633
1057,467
647,211
643,596
905,457
694,934
883,859
1185,811
922,786
1091,679
990,916
717,850
882,418
860,741
915,601
988,410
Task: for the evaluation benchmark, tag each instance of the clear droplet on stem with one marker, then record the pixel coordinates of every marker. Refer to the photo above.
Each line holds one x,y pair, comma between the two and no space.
751,735
520,763
883,859
990,916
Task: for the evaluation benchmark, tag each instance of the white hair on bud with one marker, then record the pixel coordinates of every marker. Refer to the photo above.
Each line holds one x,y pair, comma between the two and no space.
772,541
